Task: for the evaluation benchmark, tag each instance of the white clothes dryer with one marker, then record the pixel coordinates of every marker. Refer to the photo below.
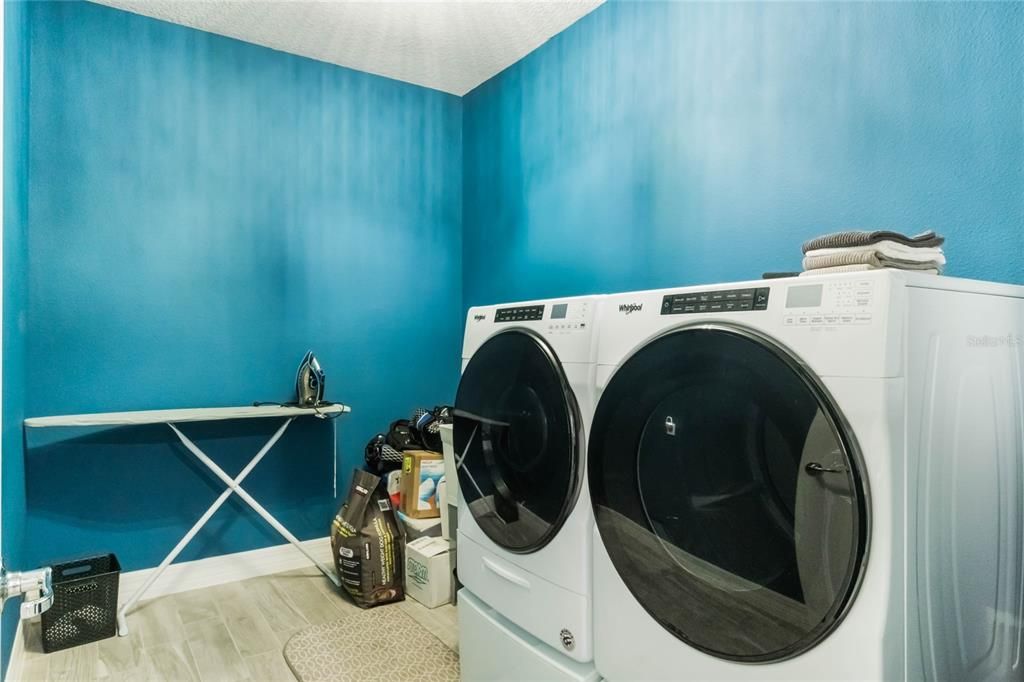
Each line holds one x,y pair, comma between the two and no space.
814,478
522,412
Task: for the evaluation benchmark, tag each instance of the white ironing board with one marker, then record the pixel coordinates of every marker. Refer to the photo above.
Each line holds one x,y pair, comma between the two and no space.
234,485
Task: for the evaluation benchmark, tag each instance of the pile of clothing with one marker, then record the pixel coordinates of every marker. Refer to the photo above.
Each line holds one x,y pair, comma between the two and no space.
861,250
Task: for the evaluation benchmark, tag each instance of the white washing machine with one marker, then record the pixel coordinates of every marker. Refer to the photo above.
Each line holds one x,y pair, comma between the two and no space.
810,479
522,412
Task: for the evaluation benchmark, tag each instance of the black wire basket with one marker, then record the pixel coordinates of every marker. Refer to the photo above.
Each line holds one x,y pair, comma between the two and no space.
84,603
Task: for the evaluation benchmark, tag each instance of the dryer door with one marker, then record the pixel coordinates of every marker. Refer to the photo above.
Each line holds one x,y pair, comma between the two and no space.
728,493
517,441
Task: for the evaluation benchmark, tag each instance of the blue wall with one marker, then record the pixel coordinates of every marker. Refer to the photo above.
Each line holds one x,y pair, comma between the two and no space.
15,282
202,211
657,144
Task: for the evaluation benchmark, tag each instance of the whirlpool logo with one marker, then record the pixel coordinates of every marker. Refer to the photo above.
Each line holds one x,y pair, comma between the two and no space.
628,308
479,318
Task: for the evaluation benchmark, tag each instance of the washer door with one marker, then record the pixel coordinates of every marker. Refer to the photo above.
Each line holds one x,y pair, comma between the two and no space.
517,441
728,494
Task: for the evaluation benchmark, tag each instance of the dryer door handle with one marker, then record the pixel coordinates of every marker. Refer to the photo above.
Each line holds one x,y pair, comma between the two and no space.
505,573
816,468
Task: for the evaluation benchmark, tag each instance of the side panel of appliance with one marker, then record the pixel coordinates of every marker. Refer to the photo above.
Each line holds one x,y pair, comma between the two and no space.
965,354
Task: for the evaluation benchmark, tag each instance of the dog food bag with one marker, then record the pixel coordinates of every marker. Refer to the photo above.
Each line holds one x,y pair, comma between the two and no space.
367,544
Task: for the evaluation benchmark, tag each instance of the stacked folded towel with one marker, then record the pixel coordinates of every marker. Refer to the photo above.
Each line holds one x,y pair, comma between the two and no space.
859,250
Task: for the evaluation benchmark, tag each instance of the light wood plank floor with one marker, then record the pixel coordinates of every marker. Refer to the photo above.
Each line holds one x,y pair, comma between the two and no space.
235,631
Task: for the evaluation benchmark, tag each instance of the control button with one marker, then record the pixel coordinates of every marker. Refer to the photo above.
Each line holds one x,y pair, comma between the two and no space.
732,295
717,295
862,318
803,320
817,319
747,294
846,319
690,298
789,320
746,304
702,307
831,319
761,299
692,308
716,307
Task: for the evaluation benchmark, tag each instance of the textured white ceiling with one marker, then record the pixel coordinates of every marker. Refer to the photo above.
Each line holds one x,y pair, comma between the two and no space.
449,45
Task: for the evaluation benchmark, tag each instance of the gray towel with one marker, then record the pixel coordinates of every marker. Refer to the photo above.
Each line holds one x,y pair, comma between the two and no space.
870,258
855,238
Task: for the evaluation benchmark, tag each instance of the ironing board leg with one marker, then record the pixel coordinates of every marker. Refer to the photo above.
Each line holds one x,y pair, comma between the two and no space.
233,486
122,623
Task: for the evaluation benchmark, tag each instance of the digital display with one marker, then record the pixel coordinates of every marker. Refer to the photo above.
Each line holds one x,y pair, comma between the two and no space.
804,296
558,311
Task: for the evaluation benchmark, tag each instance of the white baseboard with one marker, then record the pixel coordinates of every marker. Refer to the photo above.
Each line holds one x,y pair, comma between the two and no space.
227,568
194,575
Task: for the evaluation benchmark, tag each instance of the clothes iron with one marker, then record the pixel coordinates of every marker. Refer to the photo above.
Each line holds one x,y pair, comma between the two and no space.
309,382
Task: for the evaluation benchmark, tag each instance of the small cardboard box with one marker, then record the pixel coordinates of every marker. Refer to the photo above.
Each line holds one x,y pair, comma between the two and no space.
421,472
428,571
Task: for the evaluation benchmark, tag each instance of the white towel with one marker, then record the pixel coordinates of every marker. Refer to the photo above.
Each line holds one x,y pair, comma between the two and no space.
889,249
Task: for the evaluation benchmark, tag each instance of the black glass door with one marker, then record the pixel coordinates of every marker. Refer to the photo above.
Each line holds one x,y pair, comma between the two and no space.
728,494
517,441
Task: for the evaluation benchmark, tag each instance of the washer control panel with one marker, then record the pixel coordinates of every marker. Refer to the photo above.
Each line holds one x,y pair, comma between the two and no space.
568,317
729,300
519,314
845,302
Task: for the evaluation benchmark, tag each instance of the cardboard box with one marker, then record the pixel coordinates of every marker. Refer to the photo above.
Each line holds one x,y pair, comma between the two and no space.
421,472
428,571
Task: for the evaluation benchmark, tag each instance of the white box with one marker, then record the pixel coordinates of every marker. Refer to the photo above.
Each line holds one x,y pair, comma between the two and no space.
428,571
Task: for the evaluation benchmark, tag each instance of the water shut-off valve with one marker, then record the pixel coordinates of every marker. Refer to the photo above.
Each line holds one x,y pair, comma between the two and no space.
37,583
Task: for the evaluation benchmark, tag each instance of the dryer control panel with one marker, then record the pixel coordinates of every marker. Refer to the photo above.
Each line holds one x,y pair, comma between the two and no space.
519,314
567,324
568,317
